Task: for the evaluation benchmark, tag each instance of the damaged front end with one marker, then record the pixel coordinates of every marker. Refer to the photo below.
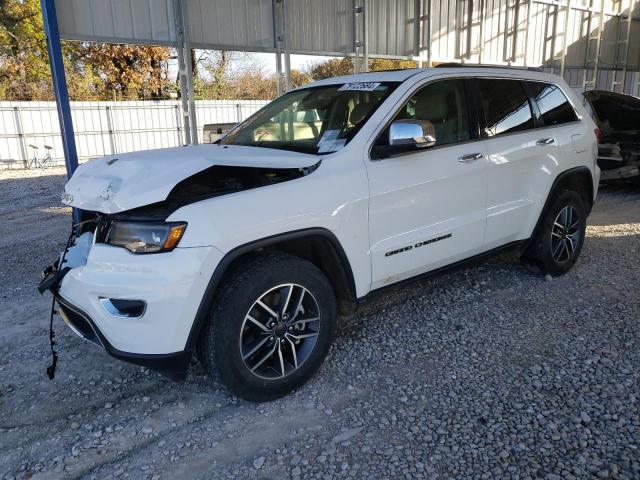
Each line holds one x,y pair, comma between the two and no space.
213,182
122,282
84,236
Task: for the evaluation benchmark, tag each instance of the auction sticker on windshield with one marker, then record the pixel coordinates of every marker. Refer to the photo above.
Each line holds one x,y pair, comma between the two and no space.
361,86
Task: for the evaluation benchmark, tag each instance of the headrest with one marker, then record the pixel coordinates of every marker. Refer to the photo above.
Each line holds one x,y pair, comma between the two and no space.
358,113
432,105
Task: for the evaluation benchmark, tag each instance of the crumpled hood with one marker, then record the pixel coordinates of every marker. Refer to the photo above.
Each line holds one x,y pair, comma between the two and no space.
121,182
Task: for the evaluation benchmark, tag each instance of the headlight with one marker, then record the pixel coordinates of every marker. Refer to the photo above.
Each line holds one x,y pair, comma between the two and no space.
146,237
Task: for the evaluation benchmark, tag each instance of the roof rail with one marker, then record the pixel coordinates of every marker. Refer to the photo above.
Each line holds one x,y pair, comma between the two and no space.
485,65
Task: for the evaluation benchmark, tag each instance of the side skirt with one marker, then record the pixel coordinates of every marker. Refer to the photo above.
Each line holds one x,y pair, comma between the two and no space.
517,246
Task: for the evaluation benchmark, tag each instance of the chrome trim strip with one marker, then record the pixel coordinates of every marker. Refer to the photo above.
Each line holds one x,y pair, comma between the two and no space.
111,309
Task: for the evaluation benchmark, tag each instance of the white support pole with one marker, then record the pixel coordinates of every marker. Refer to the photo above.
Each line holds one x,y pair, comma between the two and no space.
186,73
526,34
17,111
356,38
629,21
417,50
429,27
563,59
516,26
277,39
598,45
111,130
287,46
365,37
482,21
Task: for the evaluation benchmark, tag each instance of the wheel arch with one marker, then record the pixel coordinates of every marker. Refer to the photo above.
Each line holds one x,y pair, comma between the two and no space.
577,179
318,245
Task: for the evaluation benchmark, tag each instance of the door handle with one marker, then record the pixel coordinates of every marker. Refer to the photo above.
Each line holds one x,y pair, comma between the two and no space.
470,157
545,141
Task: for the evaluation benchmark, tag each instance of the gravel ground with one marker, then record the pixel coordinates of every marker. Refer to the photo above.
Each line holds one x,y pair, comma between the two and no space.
489,372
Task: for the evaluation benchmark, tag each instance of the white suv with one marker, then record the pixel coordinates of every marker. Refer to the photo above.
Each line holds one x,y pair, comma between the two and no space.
247,251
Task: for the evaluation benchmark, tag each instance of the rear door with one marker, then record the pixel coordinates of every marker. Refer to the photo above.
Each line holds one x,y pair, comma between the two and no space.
517,153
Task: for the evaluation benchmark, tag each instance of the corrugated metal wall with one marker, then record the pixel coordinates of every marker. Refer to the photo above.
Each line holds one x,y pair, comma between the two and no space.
464,29
228,24
391,27
492,32
518,32
133,21
325,26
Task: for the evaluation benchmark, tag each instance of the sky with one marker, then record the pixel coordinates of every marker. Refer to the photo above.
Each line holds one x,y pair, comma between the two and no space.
265,60
297,61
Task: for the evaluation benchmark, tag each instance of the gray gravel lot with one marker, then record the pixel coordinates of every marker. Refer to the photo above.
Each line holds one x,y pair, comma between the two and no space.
490,372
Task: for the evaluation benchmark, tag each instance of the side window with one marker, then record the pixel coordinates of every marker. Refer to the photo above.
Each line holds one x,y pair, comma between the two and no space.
505,105
554,106
441,107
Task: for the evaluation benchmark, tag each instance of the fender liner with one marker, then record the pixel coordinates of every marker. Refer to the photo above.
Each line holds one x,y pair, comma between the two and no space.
223,265
554,187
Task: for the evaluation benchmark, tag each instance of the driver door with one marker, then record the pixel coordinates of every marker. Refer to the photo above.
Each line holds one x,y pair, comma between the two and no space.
427,206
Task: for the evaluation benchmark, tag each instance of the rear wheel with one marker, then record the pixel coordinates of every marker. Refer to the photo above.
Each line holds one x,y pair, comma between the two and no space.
271,327
559,239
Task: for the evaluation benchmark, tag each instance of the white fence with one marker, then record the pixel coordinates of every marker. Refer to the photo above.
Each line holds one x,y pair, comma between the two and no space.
104,128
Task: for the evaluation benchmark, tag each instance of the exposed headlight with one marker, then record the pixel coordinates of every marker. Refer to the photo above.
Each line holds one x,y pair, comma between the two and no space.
146,237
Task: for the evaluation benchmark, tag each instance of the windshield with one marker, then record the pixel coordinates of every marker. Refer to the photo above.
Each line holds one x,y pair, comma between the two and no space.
315,120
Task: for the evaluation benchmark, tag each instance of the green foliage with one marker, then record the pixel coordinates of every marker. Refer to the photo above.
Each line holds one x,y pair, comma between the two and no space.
378,64
94,71
24,71
334,67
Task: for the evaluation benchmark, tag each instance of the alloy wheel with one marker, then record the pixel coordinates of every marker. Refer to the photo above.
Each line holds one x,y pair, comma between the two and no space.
280,331
565,234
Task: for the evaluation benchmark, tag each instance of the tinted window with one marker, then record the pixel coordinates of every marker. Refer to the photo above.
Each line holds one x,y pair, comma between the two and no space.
506,107
554,106
441,107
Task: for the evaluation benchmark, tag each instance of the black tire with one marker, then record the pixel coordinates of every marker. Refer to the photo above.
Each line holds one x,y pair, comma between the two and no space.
221,346
546,246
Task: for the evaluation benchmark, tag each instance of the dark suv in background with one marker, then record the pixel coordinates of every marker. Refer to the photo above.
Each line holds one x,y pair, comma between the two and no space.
618,118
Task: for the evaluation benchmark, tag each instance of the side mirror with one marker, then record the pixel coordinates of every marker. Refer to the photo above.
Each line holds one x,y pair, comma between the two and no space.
410,132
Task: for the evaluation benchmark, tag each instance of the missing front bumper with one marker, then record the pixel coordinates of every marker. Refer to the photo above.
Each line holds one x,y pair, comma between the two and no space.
171,365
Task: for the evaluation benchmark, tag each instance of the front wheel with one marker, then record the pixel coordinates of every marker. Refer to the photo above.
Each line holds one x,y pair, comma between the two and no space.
559,239
271,327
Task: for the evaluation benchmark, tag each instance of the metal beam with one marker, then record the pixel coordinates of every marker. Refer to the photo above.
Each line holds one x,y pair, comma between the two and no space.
356,38
598,45
287,44
276,45
187,93
429,28
56,62
563,59
526,33
481,33
365,37
59,81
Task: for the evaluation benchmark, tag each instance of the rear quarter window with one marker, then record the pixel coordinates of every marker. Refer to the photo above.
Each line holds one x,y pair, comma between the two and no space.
554,107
